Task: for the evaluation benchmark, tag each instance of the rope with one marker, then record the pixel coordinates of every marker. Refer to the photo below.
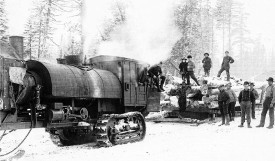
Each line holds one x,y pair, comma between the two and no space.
3,135
2,155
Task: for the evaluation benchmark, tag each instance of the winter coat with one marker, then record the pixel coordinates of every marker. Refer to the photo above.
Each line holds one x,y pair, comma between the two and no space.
256,94
155,70
223,97
232,95
226,62
183,67
207,63
190,66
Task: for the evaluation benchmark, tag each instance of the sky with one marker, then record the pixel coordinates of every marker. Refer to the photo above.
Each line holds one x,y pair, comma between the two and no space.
17,12
148,34
261,17
260,21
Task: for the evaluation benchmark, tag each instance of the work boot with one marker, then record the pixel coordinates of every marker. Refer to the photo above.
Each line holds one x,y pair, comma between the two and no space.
260,125
227,120
162,84
221,124
270,127
223,121
241,125
158,87
248,125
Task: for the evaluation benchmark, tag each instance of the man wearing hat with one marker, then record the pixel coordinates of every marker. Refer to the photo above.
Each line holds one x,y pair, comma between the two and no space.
207,64
246,97
183,69
190,70
256,95
223,101
268,104
227,60
232,102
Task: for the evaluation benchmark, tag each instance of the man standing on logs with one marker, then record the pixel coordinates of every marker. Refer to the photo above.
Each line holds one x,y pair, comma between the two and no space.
191,70
227,60
207,64
183,69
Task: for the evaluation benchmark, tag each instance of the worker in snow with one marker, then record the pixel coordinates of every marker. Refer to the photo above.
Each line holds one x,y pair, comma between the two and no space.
207,64
232,102
190,70
268,104
246,97
223,101
183,69
227,60
155,73
256,95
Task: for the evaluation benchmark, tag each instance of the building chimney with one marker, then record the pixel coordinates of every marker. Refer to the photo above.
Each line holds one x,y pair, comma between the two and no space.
17,43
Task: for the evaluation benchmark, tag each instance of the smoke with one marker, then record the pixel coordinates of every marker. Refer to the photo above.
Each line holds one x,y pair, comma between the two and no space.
148,33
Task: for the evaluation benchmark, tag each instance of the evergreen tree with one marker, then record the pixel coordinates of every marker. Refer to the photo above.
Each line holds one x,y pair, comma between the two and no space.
3,21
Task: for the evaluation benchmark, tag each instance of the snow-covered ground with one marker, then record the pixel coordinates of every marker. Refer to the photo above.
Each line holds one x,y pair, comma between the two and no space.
163,142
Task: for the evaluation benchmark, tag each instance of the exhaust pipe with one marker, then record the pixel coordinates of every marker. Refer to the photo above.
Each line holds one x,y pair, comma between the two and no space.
17,43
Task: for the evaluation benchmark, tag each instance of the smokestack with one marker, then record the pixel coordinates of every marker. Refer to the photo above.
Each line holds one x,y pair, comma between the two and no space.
17,43
73,60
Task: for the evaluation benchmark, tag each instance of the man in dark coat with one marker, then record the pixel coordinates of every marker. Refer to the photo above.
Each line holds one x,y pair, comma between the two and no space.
183,69
155,72
207,64
227,60
223,101
246,97
256,95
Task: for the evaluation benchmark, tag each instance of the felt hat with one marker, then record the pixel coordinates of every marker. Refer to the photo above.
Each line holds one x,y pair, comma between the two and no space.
270,79
246,83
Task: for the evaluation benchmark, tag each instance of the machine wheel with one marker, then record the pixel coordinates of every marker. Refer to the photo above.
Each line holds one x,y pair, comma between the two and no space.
145,113
71,136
